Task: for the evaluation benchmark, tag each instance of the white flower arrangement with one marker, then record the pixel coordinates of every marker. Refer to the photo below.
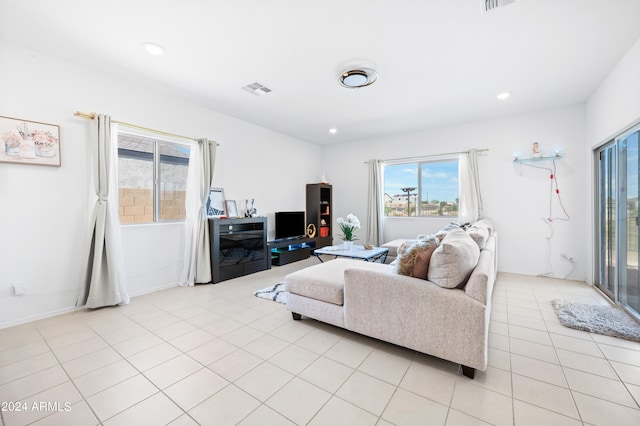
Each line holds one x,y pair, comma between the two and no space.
348,227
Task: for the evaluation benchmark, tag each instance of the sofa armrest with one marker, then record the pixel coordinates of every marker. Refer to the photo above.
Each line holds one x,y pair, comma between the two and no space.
480,283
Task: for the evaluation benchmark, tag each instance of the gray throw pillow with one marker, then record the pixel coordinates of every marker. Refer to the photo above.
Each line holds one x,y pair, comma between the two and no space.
454,260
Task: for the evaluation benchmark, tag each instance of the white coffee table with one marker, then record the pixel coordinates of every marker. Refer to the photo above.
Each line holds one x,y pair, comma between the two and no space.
356,252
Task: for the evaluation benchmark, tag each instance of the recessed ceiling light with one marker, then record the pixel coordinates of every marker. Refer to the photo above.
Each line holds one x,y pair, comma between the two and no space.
356,78
504,95
153,48
333,130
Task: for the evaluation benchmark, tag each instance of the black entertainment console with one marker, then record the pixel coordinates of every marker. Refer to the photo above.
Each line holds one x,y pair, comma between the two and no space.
238,247
291,250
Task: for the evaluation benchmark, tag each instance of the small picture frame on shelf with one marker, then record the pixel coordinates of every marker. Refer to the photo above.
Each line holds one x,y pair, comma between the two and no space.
231,208
215,203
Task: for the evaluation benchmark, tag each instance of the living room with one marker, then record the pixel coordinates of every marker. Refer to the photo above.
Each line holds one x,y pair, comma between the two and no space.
44,214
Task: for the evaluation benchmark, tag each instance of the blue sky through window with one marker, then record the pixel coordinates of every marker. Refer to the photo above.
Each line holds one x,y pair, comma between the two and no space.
439,179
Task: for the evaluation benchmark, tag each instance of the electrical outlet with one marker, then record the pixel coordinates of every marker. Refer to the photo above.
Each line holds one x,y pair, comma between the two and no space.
18,289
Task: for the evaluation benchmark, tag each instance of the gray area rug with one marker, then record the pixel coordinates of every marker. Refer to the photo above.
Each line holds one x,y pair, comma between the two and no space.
607,320
275,293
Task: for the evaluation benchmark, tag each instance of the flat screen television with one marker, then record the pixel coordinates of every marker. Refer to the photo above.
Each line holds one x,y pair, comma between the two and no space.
290,225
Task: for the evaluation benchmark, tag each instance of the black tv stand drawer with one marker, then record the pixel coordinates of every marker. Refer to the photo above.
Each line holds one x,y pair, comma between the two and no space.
284,257
283,252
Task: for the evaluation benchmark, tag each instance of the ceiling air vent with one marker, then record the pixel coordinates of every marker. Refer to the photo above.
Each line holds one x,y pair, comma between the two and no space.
489,5
256,88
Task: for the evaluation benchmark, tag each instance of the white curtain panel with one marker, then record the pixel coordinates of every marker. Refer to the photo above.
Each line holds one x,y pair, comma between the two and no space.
193,205
197,261
375,204
106,287
470,208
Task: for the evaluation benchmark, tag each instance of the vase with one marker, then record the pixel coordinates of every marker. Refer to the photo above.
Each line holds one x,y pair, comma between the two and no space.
12,150
347,245
28,148
45,151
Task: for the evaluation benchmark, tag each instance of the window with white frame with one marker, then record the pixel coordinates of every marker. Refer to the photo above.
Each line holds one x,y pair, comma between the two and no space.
422,189
152,178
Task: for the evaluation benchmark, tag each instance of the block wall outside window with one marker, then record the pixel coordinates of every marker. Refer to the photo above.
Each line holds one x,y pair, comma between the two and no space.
143,161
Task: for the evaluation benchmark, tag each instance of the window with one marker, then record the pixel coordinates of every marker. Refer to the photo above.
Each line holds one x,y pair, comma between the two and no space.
152,179
426,189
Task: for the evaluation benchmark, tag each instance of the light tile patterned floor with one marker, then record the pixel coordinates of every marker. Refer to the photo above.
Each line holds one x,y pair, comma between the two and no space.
216,354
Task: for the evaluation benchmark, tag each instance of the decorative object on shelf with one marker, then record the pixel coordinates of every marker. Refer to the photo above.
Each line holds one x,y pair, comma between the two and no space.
536,150
348,227
29,142
215,203
557,155
231,208
311,230
250,209
537,154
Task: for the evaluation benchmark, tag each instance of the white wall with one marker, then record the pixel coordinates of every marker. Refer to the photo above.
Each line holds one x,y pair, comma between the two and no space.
44,211
516,197
612,109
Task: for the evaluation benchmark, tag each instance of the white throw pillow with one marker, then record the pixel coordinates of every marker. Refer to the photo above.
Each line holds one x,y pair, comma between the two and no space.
454,260
479,235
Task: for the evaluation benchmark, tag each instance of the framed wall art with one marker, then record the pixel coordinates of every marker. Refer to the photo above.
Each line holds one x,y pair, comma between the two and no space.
215,203
231,207
29,142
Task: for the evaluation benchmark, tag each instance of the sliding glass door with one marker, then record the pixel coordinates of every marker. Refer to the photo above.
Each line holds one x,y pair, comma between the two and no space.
618,180
628,284
607,195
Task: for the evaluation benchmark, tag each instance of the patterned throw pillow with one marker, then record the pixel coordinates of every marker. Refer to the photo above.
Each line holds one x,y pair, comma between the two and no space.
414,256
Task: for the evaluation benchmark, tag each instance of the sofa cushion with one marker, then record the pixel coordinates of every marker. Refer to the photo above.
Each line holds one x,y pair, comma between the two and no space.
324,281
413,257
454,259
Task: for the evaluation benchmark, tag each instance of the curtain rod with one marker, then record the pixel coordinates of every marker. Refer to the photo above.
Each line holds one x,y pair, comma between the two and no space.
92,115
429,156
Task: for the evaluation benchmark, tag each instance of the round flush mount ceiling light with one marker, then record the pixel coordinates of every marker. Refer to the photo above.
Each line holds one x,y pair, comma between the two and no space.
357,78
153,48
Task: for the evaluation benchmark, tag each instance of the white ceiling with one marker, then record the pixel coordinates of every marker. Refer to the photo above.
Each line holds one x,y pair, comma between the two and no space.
440,62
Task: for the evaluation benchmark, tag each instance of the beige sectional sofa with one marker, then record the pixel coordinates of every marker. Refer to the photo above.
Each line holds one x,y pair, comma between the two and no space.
374,300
